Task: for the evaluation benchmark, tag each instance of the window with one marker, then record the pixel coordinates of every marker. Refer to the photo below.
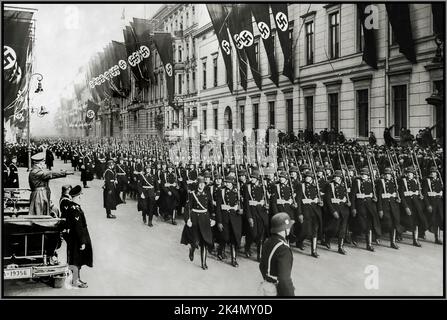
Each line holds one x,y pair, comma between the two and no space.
256,115
187,50
187,20
333,111
215,71
334,35
242,114
400,108
204,74
309,105
204,119
272,113
289,107
360,35
193,48
362,112
180,55
257,56
194,81
216,119
180,84
439,87
310,42
187,83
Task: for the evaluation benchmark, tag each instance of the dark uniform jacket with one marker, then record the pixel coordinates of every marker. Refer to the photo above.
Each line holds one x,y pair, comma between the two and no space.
280,265
111,193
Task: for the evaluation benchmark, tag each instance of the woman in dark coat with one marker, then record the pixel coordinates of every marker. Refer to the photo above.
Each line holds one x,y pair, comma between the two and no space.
79,246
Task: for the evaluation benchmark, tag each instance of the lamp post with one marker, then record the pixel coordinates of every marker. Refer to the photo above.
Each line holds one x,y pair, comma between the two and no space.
28,122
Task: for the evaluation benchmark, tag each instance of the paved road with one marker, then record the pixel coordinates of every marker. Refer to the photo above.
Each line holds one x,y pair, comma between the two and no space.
131,259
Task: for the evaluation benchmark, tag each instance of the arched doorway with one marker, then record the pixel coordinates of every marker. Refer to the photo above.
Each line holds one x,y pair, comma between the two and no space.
228,118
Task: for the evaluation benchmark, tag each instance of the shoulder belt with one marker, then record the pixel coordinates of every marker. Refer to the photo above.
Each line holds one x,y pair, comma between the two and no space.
280,243
197,200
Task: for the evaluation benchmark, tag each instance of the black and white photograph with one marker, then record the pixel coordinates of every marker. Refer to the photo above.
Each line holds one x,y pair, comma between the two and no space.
219,149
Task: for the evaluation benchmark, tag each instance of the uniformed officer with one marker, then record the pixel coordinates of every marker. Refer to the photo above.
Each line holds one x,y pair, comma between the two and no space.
13,174
169,195
432,190
87,167
39,184
197,230
121,173
388,205
229,219
110,193
277,258
148,194
337,211
256,214
364,209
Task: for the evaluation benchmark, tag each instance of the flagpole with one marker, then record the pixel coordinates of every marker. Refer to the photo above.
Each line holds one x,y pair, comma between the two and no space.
28,122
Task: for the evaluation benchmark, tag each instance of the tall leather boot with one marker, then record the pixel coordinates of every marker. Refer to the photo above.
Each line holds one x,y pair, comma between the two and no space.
341,250
438,236
258,251
203,253
369,246
191,253
393,243
144,217
233,256
415,237
327,242
314,248
220,251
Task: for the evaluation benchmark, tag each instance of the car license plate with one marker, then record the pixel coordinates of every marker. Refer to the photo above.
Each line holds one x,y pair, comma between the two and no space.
17,273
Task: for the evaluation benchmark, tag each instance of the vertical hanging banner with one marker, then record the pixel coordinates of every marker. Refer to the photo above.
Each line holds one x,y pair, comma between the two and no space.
143,29
120,56
281,17
129,42
92,110
370,49
246,38
399,16
217,14
438,11
262,16
163,43
16,46
233,28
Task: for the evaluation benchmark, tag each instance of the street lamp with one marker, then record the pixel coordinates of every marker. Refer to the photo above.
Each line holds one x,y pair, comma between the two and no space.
28,122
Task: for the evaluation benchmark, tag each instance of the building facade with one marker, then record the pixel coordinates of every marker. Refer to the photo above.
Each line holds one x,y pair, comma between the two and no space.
333,87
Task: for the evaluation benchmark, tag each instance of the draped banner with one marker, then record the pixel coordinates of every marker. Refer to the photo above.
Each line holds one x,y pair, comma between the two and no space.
438,11
16,47
163,43
217,14
262,16
91,112
281,17
130,44
233,28
143,30
119,53
370,47
246,38
399,16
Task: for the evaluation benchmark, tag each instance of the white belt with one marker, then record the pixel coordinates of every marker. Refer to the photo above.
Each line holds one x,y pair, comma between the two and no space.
434,194
169,184
282,201
411,193
227,207
388,195
337,201
309,201
148,187
121,174
255,203
199,210
190,181
363,196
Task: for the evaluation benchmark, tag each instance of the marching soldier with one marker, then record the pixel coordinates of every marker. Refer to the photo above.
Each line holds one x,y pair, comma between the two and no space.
432,189
110,193
148,194
364,209
256,214
337,213
413,217
229,219
197,230
86,169
388,205
169,195
121,173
